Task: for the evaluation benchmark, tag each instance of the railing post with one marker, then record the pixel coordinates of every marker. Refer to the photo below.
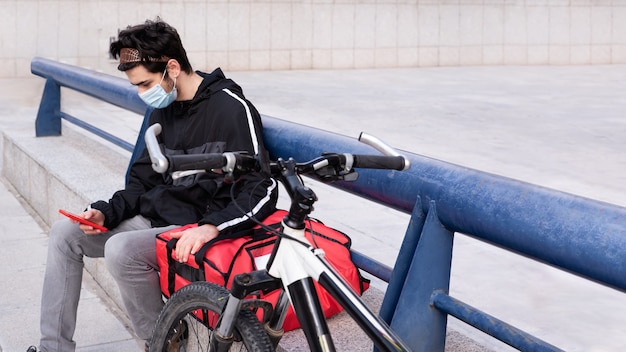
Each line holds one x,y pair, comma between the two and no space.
140,143
403,262
420,325
48,122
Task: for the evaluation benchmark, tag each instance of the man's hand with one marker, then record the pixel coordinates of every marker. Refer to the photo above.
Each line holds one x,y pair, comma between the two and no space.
191,240
93,215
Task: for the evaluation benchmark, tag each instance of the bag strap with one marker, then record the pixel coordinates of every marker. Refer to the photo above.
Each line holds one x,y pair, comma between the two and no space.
199,256
309,228
171,266
262,231
258,236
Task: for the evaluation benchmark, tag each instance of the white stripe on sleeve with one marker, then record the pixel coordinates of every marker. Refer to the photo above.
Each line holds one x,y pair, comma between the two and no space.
254,210
253,134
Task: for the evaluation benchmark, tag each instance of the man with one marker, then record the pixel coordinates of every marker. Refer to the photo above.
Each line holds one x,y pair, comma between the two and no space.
199,113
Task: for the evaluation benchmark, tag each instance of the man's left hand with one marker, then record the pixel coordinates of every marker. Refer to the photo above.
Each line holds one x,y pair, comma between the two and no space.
191,240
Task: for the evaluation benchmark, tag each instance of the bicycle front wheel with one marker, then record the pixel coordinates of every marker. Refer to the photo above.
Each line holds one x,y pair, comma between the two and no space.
189,316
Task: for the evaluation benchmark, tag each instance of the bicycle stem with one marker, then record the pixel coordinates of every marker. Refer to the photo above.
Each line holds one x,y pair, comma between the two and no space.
302,197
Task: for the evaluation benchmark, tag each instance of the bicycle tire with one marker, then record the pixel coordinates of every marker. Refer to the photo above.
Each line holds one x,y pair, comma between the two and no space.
209,299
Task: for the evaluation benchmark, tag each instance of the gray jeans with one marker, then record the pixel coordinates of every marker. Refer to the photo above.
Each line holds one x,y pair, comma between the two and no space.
129,252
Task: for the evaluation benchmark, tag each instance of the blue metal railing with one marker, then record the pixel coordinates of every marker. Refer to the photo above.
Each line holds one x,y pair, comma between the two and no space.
101,86
575,234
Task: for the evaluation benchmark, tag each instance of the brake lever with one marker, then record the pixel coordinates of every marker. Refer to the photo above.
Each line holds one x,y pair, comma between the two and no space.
329,174
350,177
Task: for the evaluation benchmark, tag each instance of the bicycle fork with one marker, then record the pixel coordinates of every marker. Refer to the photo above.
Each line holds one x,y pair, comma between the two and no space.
300,290
244,285
297,266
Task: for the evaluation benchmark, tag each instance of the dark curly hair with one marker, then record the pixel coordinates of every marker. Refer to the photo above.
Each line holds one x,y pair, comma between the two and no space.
153,39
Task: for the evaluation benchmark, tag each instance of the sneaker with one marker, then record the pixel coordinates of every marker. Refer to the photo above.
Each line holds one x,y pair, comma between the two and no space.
33,349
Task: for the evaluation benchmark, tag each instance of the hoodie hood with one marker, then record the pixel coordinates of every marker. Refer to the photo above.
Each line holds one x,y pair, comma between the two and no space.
213,82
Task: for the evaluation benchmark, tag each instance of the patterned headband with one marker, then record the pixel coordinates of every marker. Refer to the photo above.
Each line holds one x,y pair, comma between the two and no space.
132,55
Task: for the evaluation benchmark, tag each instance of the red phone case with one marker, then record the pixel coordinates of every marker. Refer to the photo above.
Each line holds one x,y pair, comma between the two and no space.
83,221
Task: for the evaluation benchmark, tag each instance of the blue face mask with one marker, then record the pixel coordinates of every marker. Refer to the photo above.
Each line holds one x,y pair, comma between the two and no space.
156,96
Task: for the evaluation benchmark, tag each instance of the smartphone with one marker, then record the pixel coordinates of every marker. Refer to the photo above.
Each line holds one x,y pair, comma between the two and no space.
82,220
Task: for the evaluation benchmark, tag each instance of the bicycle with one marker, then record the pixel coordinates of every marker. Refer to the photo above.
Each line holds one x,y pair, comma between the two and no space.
206,316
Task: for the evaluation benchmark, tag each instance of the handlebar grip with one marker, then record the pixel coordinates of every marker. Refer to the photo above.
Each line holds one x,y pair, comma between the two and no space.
384,148
196,162
380,162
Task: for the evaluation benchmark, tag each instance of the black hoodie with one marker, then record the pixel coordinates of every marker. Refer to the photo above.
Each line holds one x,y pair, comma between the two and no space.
216,120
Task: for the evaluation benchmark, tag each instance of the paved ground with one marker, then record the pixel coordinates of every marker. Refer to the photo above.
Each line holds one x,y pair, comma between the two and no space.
23,257
560,127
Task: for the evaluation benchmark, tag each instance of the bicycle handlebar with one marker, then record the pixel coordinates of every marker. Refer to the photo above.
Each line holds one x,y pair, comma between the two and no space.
230,161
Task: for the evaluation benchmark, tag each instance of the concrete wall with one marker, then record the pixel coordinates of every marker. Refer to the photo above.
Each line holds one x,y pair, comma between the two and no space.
324,34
